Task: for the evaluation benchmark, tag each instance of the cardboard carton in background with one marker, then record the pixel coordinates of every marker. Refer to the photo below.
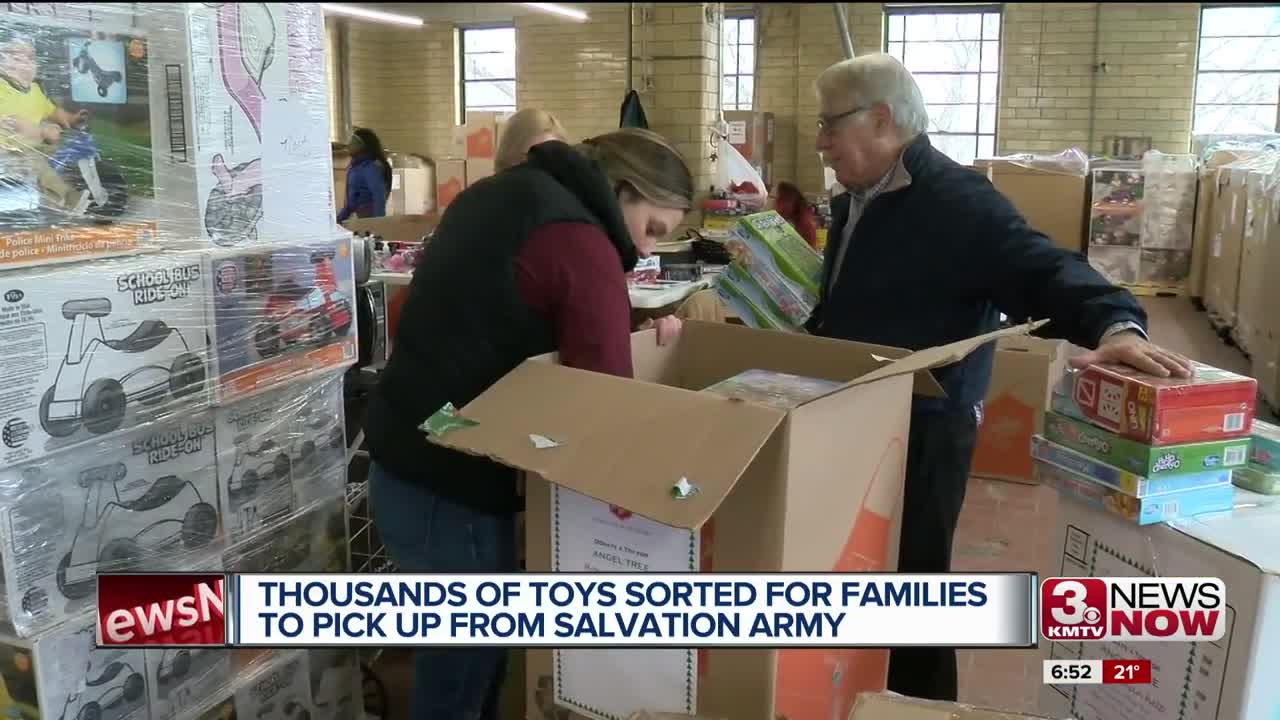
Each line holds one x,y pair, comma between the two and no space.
451,179
1053,202
1206,216
888,706
785,490
1222,269
411,192
1022,380
478,170
1230,679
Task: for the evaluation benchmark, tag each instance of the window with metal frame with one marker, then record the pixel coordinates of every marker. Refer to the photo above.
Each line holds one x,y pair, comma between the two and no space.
1238,70
954,53
738,62
488,78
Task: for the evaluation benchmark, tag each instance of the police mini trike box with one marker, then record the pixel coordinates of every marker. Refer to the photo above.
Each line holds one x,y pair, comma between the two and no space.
279,451
279,692
281,312
77,171
146,500
63,674
183,679
95,347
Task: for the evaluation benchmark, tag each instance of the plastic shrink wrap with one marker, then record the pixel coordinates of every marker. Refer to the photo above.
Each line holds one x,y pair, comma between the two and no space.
176,317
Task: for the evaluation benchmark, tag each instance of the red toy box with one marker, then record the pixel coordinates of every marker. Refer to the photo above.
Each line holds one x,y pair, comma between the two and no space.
1213,405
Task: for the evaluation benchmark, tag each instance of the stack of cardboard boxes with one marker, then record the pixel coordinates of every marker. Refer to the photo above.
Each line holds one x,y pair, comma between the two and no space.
1147,449
1050,192
471,155
752,134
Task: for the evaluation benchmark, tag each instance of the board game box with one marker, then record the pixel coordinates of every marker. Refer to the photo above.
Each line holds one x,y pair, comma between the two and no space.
1144,510
1126,482
1140,459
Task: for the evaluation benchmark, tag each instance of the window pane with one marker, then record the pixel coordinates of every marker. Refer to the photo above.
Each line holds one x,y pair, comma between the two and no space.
940,26
1219,22
895,28
747,31
491,93
953,118
490,65
990,56
1243,119
948,88
987,118
489,40
1240,54
729,91
1235,88
991,28
986,146
746,88
942,56
990,87
961,148
895,49
730,59
747,59
731,31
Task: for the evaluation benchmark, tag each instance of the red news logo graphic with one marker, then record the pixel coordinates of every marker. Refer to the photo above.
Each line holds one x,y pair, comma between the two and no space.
1158,609
162,609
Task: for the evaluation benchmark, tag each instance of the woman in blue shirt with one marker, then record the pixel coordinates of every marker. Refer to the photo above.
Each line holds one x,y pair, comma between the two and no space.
368,177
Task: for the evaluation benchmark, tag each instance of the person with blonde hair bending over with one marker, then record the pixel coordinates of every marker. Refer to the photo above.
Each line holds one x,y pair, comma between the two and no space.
525,129
560,231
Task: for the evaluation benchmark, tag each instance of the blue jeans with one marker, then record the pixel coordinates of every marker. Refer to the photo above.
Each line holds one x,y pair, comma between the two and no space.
425,533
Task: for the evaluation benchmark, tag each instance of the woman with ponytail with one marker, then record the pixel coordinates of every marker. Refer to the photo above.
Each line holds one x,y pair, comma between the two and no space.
529,261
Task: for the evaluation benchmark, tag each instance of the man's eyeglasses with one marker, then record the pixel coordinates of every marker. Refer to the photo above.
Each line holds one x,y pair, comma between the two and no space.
828,124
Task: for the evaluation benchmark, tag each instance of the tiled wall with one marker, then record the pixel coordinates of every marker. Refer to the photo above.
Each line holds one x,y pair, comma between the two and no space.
403,81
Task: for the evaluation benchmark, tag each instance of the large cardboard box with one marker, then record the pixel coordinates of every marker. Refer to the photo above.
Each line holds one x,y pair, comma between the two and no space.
411,192
1253,249
1055,202
478,170
1022,381
398,228
1265,351
451,179
1222,271
888,706
477,139
1206,219
814,488
1230,679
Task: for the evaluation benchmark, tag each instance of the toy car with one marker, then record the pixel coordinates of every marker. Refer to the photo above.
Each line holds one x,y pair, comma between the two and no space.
89,389
171,511
297,315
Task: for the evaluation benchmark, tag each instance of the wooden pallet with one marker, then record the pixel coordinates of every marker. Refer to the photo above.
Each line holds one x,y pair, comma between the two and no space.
1157,290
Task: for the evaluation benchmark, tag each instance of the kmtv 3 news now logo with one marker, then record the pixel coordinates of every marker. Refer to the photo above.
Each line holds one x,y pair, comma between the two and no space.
162,609
1140,608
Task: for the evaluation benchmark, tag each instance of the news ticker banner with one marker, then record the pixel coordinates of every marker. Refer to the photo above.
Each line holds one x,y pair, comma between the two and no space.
564,610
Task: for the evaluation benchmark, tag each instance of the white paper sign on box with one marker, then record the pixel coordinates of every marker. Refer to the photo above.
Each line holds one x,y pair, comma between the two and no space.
90,348
146,500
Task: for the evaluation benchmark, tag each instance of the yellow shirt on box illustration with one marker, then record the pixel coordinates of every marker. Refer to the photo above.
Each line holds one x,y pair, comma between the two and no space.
33,105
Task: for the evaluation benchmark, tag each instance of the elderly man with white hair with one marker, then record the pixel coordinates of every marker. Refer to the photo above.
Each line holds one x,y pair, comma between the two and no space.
924,252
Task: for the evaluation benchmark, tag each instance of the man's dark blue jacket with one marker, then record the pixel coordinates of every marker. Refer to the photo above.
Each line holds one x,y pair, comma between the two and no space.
939,260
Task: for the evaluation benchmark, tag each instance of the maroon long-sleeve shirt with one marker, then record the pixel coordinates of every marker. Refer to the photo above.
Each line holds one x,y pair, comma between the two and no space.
571,275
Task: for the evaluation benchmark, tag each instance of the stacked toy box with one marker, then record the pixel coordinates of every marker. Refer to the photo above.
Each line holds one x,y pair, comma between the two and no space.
176,314
773,279
1262,474
1145,448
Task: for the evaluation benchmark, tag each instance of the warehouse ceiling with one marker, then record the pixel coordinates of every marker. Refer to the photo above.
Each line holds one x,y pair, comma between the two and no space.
470,12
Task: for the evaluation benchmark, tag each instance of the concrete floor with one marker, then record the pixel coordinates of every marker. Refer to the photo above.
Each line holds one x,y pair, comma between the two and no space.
1005,679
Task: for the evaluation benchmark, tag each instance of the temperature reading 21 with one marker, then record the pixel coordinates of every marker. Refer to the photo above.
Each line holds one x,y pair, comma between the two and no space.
1097,672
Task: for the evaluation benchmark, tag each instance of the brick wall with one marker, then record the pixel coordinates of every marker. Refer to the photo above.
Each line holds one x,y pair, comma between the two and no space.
403,81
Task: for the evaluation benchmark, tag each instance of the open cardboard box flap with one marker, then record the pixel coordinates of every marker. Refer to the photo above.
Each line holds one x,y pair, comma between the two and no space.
629,442
889,706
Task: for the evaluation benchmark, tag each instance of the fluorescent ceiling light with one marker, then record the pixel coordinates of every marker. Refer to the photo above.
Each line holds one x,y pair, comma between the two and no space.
556,9
356,11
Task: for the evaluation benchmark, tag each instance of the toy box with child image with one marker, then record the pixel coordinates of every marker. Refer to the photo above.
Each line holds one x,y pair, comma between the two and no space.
75,141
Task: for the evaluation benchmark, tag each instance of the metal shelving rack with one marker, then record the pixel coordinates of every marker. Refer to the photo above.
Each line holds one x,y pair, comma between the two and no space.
368,554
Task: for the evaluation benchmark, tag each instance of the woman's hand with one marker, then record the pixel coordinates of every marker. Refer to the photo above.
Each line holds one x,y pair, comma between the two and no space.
668,328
